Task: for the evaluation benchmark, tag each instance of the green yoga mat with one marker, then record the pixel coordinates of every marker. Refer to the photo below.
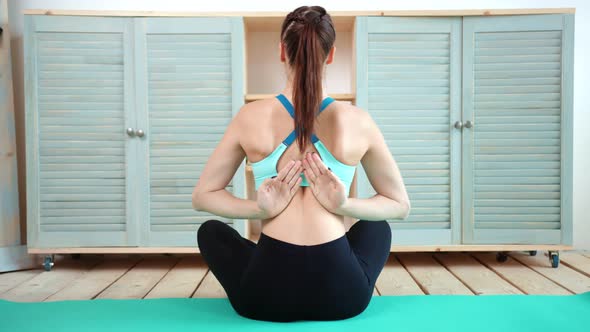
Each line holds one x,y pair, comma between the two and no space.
433,313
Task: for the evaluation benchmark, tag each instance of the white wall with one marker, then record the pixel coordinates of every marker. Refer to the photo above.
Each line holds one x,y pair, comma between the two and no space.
581,59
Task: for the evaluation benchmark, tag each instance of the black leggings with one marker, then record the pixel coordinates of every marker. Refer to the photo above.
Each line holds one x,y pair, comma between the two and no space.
283,282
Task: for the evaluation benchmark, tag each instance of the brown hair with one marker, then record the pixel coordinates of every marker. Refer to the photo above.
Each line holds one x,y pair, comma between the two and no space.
308,34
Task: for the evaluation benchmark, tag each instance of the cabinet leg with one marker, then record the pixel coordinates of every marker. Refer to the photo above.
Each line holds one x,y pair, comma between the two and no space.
48,263
554,258
502,256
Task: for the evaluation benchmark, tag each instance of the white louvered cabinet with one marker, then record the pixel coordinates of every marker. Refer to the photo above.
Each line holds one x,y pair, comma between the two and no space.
410,83
78,102
517,153
122,114
189,88
477,111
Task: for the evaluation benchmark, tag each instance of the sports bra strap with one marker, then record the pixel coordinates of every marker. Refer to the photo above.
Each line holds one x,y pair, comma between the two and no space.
327,101
287,141
287,104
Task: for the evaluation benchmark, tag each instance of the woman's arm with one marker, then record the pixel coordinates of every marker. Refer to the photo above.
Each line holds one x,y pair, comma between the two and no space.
391,200
210,194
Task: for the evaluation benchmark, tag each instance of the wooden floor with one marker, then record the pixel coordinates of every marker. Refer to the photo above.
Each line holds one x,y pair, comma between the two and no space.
156,276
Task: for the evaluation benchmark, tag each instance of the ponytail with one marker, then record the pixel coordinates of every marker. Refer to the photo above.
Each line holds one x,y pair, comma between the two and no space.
307,83
308,34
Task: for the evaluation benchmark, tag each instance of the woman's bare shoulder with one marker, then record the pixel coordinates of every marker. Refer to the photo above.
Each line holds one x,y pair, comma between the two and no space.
254,114
256,108
353,118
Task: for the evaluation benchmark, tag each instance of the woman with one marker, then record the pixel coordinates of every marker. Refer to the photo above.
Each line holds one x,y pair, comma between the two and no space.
305,266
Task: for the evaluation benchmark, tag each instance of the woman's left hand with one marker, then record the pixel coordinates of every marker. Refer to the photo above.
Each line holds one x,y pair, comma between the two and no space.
327,188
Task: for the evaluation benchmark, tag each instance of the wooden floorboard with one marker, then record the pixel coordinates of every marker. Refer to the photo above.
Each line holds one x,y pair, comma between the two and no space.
88,285
182,280
210,287
576,261
159,276
521,276
395,280
564,276
47,283
432,277
140,280
10,280
478,278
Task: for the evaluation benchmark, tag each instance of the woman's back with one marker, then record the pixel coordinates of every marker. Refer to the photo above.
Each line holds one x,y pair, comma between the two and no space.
339,127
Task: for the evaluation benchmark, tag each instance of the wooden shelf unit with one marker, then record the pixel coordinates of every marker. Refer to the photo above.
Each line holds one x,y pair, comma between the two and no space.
265,75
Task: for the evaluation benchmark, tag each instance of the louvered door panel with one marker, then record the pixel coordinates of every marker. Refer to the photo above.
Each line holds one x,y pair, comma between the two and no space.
412,92
78,75
514,73
190,103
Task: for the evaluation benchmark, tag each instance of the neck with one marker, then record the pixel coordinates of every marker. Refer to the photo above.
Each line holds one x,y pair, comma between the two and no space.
288,90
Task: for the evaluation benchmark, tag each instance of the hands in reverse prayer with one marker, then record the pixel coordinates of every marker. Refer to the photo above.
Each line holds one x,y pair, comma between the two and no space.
274,194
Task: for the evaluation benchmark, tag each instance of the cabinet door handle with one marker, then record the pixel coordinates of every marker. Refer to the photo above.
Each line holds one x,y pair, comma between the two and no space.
458,124
468,124
139,133
130,132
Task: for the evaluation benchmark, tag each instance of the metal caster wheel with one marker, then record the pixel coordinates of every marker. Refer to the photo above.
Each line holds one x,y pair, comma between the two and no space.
533,253
48,263
502,257
554,258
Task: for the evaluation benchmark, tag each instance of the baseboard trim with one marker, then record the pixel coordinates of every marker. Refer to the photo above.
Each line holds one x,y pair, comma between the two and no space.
189,250
16,258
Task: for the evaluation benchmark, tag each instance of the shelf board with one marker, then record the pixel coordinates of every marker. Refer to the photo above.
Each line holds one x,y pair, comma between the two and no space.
337,96
282,14
261,23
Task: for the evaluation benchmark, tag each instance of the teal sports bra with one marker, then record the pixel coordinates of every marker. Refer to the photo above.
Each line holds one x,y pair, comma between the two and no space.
267,167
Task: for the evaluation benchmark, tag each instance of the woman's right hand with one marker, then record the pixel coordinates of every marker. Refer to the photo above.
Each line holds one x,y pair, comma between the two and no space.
274,194
327,188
